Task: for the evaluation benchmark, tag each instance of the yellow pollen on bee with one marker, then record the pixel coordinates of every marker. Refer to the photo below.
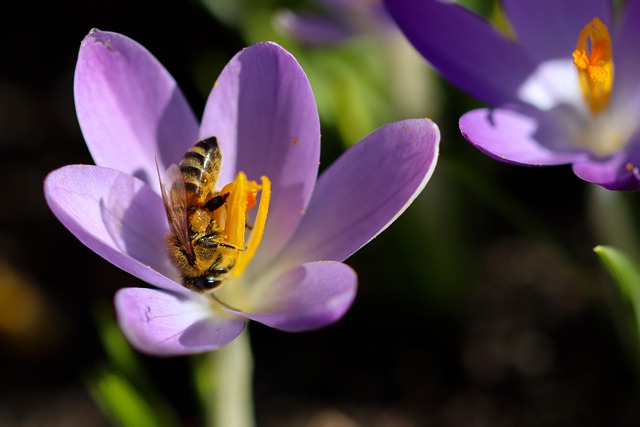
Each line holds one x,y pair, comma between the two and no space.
200,220
242,198
593,59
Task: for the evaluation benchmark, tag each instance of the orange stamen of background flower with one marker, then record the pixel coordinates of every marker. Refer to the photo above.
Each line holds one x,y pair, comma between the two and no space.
594,61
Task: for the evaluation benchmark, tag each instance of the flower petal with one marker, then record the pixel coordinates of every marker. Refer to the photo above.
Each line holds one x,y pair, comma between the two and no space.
626,44
308,297
514,137
115,215
167,324
129,107
365,190
313,29
620,171
465,48
549,29
263,103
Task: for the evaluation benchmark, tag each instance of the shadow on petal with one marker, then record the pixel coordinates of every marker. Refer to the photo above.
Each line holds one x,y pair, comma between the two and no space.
134,217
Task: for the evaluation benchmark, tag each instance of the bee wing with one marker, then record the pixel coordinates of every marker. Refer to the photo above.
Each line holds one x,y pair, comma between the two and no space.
174,196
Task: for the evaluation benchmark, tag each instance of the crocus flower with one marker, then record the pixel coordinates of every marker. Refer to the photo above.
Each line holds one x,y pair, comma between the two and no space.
564,90
336,22
263,114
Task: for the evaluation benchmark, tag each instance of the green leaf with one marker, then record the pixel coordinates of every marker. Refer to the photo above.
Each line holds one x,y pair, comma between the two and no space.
627,277
623,271
121,403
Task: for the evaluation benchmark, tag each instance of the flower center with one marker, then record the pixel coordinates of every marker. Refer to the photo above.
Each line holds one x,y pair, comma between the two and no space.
594,61
242,197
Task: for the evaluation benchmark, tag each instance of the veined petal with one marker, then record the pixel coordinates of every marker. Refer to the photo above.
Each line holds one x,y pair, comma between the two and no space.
129,107
115,215
548,29
308,297
621,171
166,324
514,137
263,104
365,190
465,48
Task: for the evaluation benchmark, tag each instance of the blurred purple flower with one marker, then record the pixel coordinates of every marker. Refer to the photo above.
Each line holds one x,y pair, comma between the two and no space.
263,112
338,21
542,112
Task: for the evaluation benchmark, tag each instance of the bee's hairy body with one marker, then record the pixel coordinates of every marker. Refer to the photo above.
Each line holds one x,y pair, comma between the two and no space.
196,242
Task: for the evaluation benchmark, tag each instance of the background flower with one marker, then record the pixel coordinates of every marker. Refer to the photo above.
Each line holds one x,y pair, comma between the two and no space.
338,21
262,111
539,116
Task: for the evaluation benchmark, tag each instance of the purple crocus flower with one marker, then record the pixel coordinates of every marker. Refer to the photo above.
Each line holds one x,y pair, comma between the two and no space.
556,96
263,113
339,21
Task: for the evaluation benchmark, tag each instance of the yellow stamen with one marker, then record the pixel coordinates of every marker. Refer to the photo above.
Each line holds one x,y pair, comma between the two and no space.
258,228
594,60
234,226
242,196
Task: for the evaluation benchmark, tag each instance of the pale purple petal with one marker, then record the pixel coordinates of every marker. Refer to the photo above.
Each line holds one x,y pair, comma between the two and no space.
626,45
617,172
263,103
549,29
308,297
465,48
115,215
313,29
365,190
514,137
129,107
166,324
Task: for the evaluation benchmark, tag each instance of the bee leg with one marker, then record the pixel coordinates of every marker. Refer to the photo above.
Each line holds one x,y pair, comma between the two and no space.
211,242
216,202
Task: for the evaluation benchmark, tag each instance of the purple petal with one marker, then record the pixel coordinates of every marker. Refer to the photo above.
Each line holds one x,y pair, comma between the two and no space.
365,190
313,29
626,45
514,137
465,48
617,172
115,215
166,324
129,108
549,29
263,105
308,297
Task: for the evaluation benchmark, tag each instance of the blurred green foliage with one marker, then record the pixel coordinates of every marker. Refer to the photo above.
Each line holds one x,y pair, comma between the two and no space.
627,276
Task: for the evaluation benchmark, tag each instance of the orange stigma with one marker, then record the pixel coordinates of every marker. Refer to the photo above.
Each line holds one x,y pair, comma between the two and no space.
594,61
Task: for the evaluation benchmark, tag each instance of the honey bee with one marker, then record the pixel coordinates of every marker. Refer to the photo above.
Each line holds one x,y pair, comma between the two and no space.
196,241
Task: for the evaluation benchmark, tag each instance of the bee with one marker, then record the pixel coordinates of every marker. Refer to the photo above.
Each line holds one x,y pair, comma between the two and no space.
196,241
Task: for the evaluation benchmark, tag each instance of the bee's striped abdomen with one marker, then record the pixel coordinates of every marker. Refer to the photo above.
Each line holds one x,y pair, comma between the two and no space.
200,167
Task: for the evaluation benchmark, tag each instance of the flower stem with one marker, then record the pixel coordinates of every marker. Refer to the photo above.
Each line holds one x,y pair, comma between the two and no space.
225,384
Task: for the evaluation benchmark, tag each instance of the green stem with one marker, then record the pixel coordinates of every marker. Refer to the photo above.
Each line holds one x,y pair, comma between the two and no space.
225,384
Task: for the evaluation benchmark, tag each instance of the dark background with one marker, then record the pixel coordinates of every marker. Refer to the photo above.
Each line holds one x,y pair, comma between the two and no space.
484,304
